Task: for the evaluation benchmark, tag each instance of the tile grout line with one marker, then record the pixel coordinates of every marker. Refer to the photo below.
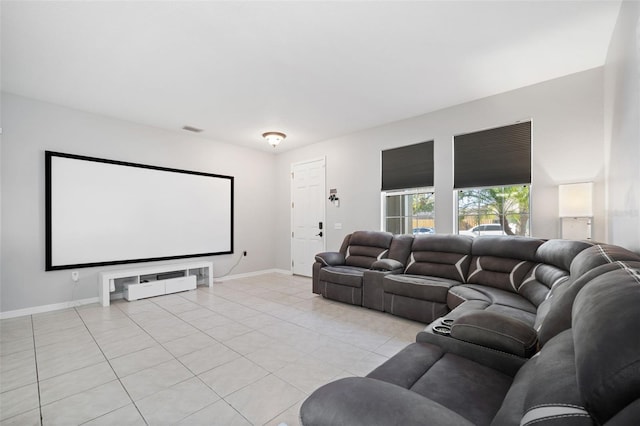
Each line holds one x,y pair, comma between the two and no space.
114,372
35,360
181,363
174,357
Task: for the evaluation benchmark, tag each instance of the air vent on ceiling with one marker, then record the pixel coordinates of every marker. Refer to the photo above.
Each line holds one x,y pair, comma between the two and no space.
192,129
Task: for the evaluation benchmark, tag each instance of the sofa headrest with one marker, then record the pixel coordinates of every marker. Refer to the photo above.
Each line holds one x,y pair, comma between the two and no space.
598,255
605,319
445,256
443,243
560,253
371,239
513,247
365,247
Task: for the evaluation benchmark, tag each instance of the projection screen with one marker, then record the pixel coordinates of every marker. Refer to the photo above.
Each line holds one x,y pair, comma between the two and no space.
105,212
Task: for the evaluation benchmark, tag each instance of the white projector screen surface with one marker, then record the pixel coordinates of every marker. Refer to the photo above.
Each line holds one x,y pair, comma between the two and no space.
103,212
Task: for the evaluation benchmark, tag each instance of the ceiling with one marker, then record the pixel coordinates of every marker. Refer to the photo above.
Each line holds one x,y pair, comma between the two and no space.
313,70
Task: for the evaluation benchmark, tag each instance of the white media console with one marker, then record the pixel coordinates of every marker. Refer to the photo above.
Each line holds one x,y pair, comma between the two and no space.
154,280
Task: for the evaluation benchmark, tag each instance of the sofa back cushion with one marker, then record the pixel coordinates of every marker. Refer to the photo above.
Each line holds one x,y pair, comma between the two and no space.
590,371
444,256
365,247
605,322
555,257
400,248
502,262
588,264
597,255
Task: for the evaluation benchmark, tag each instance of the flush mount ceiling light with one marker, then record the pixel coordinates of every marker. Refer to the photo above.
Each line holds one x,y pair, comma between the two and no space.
274,138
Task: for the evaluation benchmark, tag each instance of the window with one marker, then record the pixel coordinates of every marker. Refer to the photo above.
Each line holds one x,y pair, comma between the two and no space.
407,189
502,210
492,177
409,212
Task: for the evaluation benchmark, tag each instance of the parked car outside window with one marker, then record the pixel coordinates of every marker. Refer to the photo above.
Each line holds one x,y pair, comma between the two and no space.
486,229
417,231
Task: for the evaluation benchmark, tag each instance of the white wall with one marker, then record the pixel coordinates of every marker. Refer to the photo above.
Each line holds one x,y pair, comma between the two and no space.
567,115
622,129
30,127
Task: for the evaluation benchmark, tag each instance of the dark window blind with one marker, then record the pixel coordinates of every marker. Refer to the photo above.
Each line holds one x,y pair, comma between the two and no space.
494,157
408,167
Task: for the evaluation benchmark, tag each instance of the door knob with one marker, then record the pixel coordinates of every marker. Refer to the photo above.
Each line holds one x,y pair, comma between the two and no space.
319,235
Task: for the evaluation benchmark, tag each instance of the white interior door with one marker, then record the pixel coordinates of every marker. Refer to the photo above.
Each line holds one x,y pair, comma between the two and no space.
308,228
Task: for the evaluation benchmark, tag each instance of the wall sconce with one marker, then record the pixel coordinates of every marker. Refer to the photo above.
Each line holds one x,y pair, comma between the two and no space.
333,197
575,202
274,138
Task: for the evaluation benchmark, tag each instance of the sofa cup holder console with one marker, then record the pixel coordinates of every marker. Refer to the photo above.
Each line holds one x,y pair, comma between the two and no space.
444,327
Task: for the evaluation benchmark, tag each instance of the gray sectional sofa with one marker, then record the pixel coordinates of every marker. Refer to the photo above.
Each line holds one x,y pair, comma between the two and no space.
428,276
575,305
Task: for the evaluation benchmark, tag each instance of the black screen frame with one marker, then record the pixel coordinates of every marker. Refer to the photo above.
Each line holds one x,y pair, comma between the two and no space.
49,155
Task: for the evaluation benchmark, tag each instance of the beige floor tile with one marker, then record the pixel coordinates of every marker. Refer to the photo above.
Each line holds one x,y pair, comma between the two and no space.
290,417
308,374
228,331
85,406
155,379
136,361
260,321
172,405
275,356
233,376
15,328
188,344
235,311
367,364
249,342
340,354
180,308
125,346
66,362
18,401
264,399
210,321
195,314
17,369
273,320
74,382
104,337
125,416
392,347
96,326
170,331
207,358
219,413
30,418
12,346
69,334
84,343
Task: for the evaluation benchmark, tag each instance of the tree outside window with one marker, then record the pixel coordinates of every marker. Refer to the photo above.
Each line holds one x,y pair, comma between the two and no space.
507,206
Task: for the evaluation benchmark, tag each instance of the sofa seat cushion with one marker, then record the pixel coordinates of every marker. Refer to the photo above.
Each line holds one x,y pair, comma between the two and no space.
350,276
421,287
472,390
493,300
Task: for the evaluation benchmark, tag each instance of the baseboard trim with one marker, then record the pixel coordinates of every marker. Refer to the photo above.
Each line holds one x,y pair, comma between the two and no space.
75,303
47,308
252,274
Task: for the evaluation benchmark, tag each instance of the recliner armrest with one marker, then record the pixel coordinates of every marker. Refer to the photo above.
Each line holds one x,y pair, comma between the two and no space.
330,258
496,331
358,401
387,265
